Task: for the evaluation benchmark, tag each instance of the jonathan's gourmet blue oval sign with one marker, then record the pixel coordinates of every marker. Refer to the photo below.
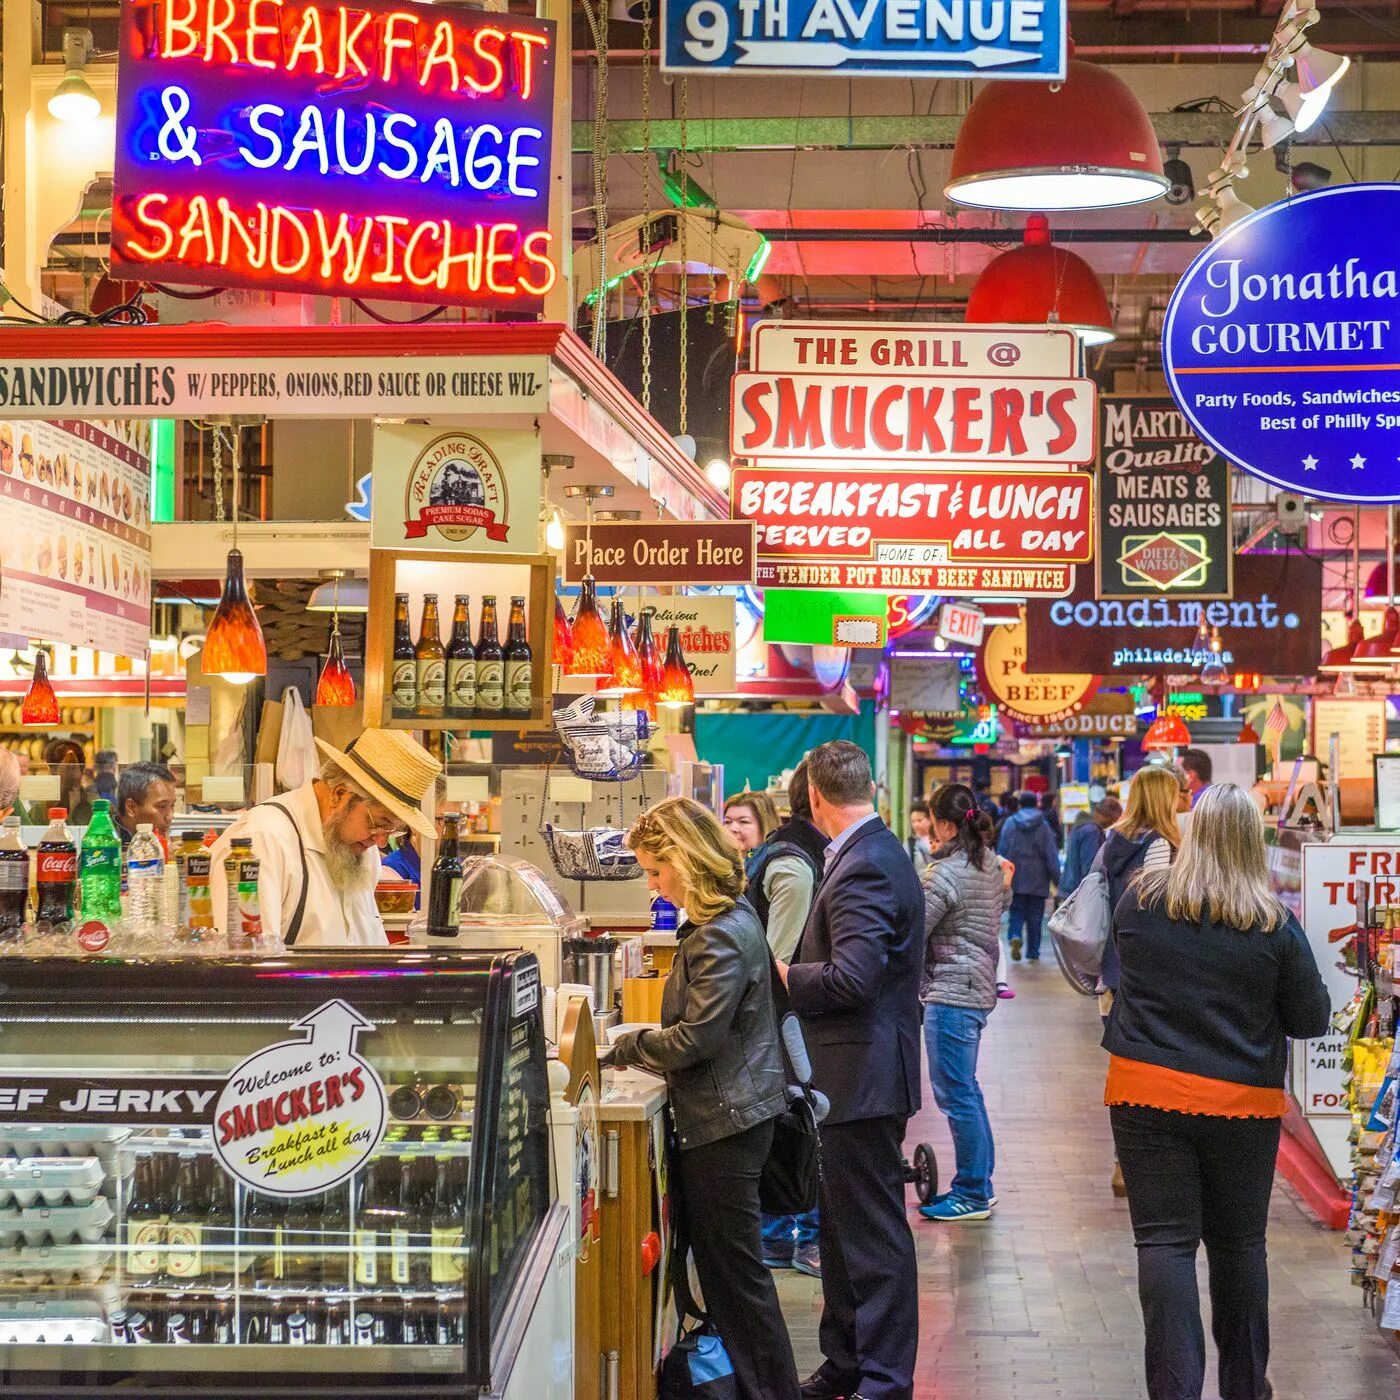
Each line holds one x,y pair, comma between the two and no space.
1282,343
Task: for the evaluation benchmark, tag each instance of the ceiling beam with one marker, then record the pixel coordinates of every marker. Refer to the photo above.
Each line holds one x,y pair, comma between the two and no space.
939,132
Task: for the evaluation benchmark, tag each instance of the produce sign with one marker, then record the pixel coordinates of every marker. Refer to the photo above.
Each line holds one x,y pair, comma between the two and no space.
1281,343
1164,504
949,532
891,38
1272,625
1033,696
297,1117
382,151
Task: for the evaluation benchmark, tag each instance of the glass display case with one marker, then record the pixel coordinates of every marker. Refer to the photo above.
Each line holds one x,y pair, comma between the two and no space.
326,1175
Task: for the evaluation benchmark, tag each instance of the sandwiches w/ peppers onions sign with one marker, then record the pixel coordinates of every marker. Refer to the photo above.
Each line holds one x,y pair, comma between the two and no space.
998,408
1164,504
378,150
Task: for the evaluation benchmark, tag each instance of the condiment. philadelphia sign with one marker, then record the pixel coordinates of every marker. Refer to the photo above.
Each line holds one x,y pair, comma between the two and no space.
1282,343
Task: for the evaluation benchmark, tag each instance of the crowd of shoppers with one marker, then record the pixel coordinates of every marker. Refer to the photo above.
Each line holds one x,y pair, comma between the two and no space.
1028,842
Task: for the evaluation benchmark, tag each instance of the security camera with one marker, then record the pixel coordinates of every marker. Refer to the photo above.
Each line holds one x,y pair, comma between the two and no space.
1291,511
1183,185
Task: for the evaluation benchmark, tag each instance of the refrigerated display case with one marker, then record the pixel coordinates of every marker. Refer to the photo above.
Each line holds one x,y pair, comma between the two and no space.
327,1175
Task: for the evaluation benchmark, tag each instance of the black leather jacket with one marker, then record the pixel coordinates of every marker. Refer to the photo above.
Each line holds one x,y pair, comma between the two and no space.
718,1042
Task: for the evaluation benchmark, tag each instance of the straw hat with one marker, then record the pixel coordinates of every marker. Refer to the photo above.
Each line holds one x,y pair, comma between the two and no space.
393,768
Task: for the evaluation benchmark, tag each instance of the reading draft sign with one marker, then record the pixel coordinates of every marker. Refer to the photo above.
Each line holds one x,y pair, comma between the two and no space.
1282,343
386,151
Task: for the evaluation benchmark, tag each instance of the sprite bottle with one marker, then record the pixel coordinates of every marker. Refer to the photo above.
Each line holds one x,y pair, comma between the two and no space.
100,866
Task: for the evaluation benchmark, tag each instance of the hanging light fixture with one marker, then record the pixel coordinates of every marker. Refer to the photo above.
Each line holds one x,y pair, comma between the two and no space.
677,687
1167,732
592,646
339,592
649,659
551,462
624,668
1375,653
1231,209
563,636
1084,143
40,702
73,99
336,686
1247,734
1317,73
1214,672
554,532
233,646
1038,284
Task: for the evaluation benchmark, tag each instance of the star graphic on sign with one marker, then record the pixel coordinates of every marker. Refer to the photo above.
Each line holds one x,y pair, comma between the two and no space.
1357,462
1309,463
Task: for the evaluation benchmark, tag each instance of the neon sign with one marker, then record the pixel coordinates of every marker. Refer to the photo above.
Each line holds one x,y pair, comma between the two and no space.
376,150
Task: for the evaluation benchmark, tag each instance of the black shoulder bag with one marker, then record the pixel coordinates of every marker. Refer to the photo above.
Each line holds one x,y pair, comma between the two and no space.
697,1367
788,1184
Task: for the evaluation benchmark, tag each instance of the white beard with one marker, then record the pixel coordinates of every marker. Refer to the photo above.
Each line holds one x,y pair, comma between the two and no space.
349,870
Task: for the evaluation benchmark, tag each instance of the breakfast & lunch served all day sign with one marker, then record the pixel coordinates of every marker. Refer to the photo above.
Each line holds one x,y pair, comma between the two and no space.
898,458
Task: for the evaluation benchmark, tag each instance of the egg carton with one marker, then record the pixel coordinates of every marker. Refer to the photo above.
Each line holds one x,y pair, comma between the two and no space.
51,1181
56,1265
78,1321
85,1224
65,1140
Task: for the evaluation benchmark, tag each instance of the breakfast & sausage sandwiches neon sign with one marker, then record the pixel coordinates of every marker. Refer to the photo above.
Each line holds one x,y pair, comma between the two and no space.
381,150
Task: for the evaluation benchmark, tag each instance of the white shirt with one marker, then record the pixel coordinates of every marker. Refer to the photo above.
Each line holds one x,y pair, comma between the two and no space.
332,918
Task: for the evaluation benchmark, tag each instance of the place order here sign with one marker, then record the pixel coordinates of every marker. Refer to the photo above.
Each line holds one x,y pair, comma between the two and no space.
913,458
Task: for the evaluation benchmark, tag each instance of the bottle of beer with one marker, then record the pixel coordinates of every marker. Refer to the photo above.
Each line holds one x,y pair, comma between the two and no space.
431,660
301,1232
403,683
262,1217
219,1232
519,664
401,1229
374,1218
145,1225
446,1227
445,893
461,663
335,1238
184,1231
490,665
424,1194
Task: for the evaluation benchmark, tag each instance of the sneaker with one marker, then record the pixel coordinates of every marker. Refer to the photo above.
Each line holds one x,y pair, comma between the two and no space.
948,1196
1015,950
808,1260
1004,992
777,1262
953,1211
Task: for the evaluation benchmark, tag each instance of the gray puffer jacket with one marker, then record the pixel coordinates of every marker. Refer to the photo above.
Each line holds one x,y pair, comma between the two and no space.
718,1043
962,920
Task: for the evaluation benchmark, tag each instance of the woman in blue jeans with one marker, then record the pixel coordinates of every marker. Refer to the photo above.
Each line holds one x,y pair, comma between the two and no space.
964,894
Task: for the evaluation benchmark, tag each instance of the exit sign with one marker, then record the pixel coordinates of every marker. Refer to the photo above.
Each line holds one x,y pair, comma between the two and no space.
961,622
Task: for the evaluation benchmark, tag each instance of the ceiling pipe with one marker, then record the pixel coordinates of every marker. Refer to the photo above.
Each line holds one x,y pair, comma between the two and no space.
1068,237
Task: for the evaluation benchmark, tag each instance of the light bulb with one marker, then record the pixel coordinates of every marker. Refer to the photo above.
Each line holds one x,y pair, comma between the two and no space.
718,473
554,532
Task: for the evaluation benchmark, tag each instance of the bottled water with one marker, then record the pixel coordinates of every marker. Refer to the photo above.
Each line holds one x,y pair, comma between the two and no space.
145,882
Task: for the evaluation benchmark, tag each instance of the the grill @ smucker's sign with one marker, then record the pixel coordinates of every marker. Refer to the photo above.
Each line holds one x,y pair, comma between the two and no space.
944,531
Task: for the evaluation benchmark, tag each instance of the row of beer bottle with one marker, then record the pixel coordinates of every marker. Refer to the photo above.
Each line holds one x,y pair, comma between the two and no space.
406,1233
461,681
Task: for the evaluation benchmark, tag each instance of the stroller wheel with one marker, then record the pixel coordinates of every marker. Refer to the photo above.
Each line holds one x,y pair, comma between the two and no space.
925,1173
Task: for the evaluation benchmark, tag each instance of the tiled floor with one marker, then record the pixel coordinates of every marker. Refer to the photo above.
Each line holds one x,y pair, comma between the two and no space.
1041,1301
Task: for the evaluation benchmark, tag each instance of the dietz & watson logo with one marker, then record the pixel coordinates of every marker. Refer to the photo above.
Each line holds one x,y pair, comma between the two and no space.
456,486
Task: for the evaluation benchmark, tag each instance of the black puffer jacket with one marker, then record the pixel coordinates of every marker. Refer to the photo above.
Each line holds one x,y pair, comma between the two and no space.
718,1042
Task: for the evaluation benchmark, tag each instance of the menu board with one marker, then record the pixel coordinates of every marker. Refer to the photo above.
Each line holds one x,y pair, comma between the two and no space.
1387,776
76,548
1359,724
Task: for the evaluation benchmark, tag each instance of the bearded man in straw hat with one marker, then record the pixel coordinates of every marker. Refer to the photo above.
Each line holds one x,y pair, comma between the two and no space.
318,845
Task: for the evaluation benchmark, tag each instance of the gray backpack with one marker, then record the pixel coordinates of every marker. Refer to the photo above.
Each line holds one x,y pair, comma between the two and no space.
1079,930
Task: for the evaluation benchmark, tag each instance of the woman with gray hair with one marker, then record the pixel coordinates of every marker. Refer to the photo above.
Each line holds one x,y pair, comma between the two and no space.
9,782
1215,976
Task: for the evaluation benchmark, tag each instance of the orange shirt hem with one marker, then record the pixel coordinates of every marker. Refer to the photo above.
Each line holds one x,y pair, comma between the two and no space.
1133,1082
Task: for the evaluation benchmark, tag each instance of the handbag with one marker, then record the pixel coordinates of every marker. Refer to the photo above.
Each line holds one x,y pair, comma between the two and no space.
788,1182
1079,930
697,1367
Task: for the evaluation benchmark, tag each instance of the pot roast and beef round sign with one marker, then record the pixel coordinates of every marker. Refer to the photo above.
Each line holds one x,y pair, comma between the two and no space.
298,1117
1282,342
1034,697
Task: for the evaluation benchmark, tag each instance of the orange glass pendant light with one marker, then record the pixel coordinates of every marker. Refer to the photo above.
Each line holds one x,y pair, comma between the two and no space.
563,635
625,670
649,659
677,687
40,703
234,646
337,685
592,653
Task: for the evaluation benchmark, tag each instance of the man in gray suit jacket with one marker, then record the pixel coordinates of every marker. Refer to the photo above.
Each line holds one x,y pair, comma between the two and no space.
855,985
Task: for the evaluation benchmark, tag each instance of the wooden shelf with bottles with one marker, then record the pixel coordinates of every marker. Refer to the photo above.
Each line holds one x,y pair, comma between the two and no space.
393,571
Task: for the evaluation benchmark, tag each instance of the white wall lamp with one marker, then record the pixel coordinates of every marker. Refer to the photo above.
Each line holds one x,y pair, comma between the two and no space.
73,99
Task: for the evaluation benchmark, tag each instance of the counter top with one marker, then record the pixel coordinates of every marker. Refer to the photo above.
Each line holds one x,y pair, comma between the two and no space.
630,1095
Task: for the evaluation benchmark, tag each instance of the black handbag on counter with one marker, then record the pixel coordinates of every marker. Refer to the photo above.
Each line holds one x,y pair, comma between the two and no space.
788,1184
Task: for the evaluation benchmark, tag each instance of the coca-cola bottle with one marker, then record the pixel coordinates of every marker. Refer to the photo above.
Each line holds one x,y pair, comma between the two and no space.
56,872
14,881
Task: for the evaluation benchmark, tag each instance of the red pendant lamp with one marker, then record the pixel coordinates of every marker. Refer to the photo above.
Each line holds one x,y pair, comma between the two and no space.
563,635
592,650
1340,658
625,669
336,686
1376,653
1084,143
40,703
1166,732
677,687
1038,284
1247,734
649,659
233,646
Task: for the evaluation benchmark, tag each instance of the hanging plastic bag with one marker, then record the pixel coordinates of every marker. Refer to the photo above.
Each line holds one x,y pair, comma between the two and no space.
297,762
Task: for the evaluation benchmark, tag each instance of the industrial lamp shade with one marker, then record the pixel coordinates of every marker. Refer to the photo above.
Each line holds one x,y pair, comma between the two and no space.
1376,652
234,646
1318,72
40,703
1084,143
1038,284
1166,732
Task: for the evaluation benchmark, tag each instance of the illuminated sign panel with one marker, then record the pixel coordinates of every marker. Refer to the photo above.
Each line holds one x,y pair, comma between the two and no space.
380,150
